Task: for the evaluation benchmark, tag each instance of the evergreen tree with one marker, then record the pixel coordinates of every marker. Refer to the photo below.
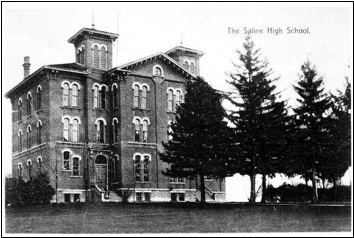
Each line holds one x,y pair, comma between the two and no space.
340,137
260,117
200,140
312,125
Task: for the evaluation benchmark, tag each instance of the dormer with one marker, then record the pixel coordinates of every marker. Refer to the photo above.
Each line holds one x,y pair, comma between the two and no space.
186,57
94,48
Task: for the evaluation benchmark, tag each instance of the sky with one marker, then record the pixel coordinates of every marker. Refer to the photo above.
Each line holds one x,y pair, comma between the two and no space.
41,31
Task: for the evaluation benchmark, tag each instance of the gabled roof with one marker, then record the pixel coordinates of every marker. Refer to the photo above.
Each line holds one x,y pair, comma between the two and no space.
70,67
156,55
182,48
92,31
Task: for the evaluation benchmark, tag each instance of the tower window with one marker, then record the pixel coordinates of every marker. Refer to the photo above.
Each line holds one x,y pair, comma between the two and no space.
65,94
145,130
192,67
95,54
186,65
137,168
103,58
100,131
137,130
66,129
29,104
157,71
143,97
170,100
39,98
95,96
75,131
136,96
29,137
74,95
39,132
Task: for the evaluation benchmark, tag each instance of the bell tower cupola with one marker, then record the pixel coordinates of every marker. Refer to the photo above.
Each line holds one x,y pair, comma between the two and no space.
94,48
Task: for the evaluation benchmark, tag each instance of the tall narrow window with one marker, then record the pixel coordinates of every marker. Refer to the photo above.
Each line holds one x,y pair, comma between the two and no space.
39,132
192,67
100,131
74,95
95,57
66,94
75,166
186,65
158,71
103,58
145,131
103,97
115,131
146,177
136,96
39,164
143,96
29,137
66,129
29,104
137,168
20,135
19,109
20,170
137,130
66,160
114,96
170,100
29,166
39,98
95,96
75,131
178,98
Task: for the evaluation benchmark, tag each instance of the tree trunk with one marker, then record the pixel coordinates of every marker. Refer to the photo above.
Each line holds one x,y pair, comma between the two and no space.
335,187
314,186
253,182
202,189
264,187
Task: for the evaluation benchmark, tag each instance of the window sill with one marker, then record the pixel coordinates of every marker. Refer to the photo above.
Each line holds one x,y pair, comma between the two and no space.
71,107
38,111
143,182
99,109
75,176
142,109
20,121
29,116
64,170
171,112
177,183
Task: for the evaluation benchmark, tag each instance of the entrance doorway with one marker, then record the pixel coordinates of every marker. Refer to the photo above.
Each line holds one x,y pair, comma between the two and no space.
101,171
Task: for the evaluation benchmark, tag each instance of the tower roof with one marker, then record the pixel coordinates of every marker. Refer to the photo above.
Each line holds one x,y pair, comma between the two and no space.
185,49
92,31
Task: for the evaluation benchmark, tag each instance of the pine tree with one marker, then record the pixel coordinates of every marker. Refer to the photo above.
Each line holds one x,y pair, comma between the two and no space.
312,125
200,137
260,117
340,137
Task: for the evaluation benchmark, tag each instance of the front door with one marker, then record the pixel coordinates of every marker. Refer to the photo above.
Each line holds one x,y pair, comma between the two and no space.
101,175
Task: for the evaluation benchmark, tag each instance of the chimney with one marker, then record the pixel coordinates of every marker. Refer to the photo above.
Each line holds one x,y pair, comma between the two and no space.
26,66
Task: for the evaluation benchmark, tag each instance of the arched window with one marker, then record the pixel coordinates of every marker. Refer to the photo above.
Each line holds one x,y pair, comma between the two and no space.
95,96
178,98
20,170
39,164
100,131
39,132
29,166
76,168
19,109
29,104
145,131
74,95
103,97
114,96
170,100
158,71
146,177
136,96
20,135
29,137
75,131
143,97
103,58
186,65
137,130
115,130
39,98
95,57
66,160
66,129
137,168
65,94
192,67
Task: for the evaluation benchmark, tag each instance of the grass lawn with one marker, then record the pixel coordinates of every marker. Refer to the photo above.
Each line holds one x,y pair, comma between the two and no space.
176,218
